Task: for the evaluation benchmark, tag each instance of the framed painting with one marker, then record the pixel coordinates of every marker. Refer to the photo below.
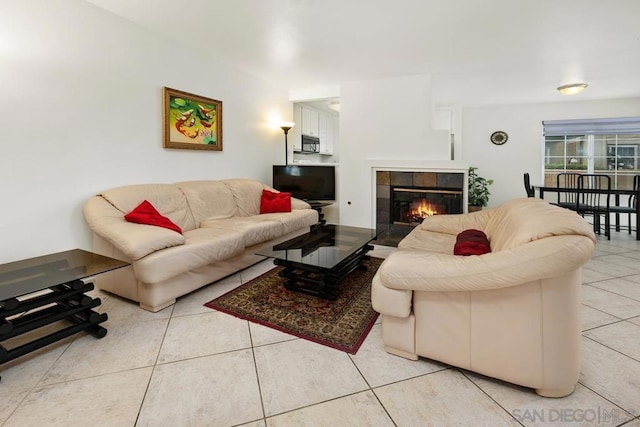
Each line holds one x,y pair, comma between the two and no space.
191,121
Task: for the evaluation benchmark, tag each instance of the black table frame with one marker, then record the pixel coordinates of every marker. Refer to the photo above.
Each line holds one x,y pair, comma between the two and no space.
318,281
32,306
312,279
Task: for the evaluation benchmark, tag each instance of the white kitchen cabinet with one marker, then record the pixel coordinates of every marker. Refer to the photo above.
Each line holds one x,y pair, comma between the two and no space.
295,135
316,122
309,118
326,132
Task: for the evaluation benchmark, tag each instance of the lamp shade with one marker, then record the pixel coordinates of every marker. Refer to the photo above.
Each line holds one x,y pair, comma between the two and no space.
572,89
286,125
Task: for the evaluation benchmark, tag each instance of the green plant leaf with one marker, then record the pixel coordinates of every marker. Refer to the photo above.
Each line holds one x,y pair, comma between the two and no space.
478,187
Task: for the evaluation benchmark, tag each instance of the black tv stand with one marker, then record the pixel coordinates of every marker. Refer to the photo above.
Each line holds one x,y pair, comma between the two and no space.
316,205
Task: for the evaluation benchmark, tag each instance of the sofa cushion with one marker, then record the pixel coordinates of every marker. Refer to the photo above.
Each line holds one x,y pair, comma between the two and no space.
146,214
430,241
166,198
273,202
202,247
246,193
209,199
455,223
133,240
298,204
294,220
524,220
254,230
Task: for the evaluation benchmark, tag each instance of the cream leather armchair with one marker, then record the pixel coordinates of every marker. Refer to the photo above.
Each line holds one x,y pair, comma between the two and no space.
512,314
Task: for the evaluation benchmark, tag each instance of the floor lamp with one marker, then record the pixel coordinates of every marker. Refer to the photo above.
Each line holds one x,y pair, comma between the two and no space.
286,126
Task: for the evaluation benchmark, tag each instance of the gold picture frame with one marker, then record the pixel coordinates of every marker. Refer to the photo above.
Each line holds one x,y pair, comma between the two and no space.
191,121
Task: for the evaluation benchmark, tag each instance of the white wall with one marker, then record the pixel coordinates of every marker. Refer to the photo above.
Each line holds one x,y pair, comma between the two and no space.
522,153
81,112
389,119
383,119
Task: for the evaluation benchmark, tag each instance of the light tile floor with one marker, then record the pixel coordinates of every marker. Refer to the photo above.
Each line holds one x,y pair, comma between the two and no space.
191,366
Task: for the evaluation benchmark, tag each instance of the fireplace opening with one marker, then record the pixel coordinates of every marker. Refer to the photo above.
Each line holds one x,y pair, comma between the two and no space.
405,198
411,205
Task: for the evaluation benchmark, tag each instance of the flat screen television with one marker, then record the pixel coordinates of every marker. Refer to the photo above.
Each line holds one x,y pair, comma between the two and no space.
306,182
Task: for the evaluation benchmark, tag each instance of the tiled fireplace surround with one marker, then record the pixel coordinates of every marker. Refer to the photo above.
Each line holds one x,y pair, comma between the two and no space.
430,181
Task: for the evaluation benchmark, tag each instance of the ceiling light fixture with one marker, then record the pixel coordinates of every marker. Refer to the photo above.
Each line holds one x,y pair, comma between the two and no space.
572,89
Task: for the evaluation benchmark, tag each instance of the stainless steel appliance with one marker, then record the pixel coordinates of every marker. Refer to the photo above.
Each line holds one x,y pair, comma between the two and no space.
310,145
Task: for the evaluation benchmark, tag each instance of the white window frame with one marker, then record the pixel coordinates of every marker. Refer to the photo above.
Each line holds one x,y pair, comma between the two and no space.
590,129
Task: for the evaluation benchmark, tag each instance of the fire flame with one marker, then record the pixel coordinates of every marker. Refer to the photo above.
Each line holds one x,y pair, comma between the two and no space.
422,209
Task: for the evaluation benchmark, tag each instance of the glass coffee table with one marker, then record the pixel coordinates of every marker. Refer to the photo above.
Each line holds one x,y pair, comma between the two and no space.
39,291
314,263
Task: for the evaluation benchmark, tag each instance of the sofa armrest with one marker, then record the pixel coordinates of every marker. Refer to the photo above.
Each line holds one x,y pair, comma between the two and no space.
299,204
454,224
541,259
134,240
390,302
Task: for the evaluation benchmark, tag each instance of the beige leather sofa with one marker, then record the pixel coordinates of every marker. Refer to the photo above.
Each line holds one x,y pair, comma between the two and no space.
222,230
512,314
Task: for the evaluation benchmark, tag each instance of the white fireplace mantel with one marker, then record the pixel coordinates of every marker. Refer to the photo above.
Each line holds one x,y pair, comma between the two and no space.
418,165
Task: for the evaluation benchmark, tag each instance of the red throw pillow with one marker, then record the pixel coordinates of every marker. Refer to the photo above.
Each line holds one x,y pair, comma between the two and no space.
145,213
271,202
471,242
471,234
471,248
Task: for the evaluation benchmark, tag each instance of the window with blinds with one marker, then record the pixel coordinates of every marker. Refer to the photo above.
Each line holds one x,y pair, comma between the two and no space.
606,146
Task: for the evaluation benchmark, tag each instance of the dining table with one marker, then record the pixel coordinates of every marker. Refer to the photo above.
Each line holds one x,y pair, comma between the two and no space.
616,193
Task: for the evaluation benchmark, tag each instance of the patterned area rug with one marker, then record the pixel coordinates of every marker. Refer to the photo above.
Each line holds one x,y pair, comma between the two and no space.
342,324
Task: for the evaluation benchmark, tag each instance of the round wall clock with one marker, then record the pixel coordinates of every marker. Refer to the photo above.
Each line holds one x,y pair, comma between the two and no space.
499,137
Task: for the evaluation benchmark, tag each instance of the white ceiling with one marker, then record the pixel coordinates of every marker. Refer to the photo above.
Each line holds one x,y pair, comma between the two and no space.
478,52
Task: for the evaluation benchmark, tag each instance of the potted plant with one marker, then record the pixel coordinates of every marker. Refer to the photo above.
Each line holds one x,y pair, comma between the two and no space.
478,190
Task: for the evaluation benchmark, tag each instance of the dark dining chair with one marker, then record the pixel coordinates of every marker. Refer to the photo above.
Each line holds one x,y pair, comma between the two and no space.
630,208
594,191
568,180
527,186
